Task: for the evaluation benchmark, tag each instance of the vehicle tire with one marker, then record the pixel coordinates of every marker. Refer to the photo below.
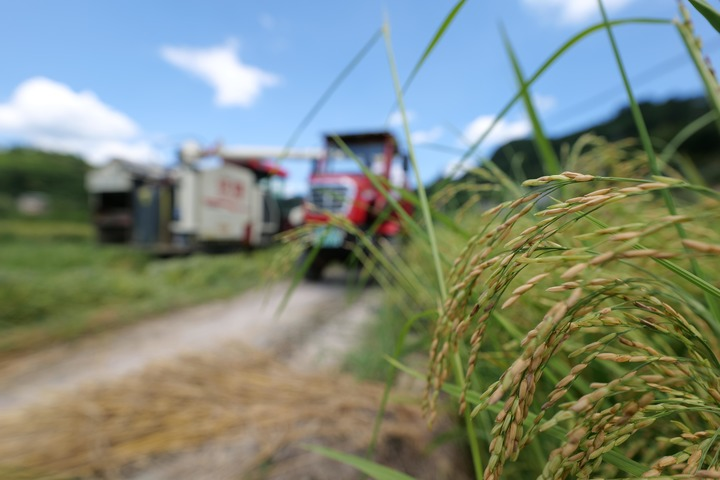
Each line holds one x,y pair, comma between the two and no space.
313,271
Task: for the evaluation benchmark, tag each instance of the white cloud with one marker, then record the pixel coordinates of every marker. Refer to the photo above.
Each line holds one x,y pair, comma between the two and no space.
544,103
427,136
503,132
97,152
395,118
46,107
573,11
50,115
235,83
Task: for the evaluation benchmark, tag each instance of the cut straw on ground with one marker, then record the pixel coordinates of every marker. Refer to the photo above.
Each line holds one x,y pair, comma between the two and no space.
261,407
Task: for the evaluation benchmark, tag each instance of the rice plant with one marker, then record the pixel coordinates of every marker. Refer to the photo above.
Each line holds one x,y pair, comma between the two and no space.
610,336
577,323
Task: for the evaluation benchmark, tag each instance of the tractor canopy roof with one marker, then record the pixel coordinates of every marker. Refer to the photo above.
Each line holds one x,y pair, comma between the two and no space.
362,138
261,167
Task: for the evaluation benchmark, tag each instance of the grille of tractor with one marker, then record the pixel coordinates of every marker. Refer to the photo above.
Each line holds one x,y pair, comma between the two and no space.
329,197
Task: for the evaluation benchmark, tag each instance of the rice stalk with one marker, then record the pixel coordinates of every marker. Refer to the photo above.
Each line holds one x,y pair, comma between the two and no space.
646,350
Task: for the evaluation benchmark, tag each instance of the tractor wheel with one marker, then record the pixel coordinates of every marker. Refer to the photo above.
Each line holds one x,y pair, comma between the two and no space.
313,272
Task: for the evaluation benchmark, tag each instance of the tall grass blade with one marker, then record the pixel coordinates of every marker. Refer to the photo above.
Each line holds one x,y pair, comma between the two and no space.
372,469
445,220
649,150
331,88
707,76
634,107
546,153
689,171
433,42
538,73
707,11
297,277
422,195
427,216
391,379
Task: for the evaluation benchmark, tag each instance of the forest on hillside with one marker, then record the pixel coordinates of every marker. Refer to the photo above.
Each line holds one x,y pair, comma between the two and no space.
59,177
664,121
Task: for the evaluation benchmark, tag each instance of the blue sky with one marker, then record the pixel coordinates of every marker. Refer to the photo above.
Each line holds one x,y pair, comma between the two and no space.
135,78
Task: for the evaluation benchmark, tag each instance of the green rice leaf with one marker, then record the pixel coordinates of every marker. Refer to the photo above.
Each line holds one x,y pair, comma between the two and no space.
374,470
332,87
431,46
688,168
696,55
422,195
551,164
550,61
707,11
399,345
652,158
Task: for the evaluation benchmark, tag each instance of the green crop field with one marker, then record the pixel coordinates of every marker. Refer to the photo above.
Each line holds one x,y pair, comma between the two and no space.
571,316
56,283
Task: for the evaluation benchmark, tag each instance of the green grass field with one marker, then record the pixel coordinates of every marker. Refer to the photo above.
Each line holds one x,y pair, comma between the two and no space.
56,283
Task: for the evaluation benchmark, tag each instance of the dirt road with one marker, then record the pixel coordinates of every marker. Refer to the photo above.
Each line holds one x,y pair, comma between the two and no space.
318,325
226,390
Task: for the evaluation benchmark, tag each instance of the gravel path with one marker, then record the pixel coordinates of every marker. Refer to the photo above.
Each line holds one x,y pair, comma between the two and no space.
319,324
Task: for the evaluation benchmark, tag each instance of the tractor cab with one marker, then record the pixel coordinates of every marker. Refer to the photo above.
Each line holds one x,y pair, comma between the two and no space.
340,186
339,183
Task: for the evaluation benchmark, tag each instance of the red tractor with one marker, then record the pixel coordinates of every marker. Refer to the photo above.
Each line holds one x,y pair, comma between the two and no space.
340,187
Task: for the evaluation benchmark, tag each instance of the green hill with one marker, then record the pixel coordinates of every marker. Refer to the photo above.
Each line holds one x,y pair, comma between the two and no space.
57,176
519,160
664,121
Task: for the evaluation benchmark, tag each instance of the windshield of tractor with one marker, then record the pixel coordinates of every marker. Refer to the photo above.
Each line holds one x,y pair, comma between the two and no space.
370,154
